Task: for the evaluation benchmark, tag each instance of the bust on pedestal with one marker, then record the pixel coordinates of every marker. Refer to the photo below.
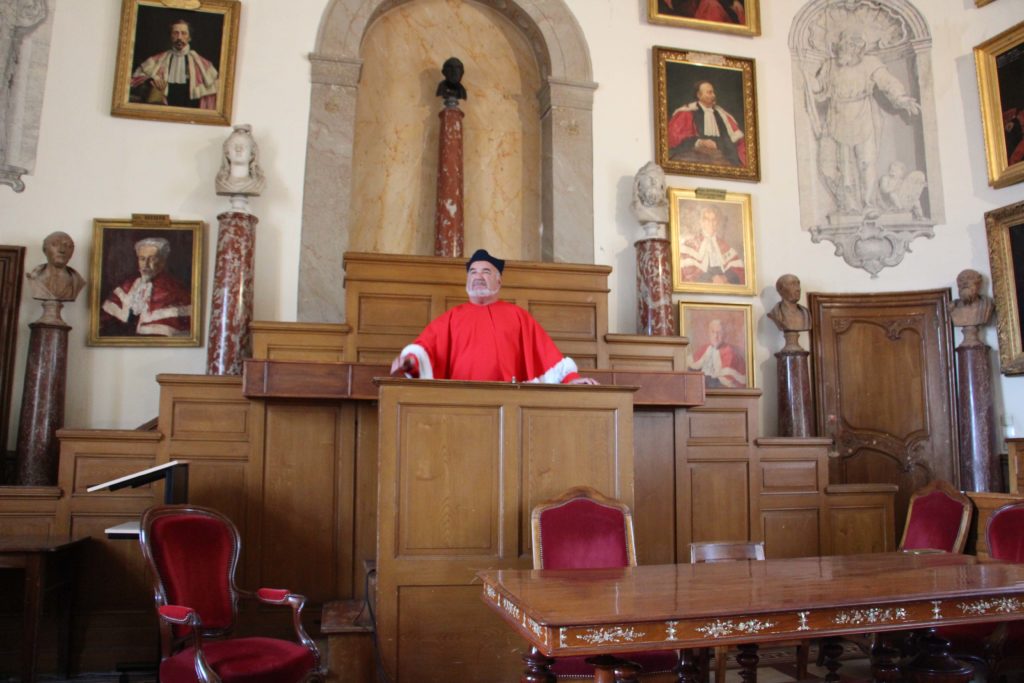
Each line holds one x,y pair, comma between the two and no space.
796,411
42,402
240,177
654,313
979,461
449,224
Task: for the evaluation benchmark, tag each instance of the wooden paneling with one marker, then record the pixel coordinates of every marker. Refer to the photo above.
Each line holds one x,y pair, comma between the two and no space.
860,519
715,511
984,505
299,341
790,532
638,352
461,465
12,266
654,490
1015,465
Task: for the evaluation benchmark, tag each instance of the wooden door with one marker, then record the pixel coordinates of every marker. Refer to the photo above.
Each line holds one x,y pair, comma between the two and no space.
884,381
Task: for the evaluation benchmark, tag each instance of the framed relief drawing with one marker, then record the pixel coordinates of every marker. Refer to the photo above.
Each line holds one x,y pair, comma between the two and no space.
1000,65
721,339
1005,230
712,241
742,17
176,64
705,114
146,282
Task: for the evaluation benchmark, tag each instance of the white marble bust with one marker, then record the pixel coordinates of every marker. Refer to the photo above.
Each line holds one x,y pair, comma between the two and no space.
650,199
240,172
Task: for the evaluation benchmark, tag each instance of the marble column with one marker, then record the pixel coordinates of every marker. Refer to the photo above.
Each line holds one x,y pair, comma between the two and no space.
42,402
655,316
979,461
796,409
448,216
231,303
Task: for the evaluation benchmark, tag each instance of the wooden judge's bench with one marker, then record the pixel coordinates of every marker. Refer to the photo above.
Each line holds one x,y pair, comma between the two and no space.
325,464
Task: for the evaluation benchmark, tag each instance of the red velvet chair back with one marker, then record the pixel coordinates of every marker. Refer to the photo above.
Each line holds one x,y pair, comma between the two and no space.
937,519
1006,533
582,529
193,553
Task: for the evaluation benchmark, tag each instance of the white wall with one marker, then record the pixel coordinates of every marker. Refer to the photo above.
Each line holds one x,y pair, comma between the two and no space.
92,165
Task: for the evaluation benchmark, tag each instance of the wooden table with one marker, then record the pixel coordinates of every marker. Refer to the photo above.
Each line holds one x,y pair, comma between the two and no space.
48,565
662,607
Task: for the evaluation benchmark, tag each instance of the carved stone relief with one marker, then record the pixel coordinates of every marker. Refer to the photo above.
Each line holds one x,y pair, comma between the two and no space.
867,143
25,27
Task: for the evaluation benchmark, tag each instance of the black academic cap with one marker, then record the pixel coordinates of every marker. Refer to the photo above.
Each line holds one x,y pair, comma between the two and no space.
482,255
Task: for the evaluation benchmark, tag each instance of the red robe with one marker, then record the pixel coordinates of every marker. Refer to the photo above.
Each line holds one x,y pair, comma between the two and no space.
683,126
166,312
495,342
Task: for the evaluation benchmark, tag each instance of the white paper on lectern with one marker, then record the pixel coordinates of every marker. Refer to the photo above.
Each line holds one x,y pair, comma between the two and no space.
133,475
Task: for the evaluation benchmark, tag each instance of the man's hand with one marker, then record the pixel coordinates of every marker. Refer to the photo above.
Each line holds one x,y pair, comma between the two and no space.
583,380
402,365
159,83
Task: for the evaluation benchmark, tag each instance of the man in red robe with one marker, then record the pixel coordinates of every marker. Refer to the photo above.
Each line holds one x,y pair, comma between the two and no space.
153,304
702,131
722,363
486,339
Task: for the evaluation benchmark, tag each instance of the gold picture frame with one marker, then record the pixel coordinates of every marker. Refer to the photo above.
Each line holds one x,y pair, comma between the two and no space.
683,80
1000,65
741,17
721,342
1004,229
149,31
146,282
712,236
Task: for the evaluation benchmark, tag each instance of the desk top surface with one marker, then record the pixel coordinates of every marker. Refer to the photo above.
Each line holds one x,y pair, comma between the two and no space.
560,597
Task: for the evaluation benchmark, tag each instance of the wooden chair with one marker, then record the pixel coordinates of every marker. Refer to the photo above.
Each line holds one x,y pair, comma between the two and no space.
999,648
584,529
732,551
193,553
938,518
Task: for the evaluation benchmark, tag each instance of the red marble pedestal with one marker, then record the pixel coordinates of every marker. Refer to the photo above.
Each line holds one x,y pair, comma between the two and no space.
231,302
448,215
979,461
42,402
655,316
796,410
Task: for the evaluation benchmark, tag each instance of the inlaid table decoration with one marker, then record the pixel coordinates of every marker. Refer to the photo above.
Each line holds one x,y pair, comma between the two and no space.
680,607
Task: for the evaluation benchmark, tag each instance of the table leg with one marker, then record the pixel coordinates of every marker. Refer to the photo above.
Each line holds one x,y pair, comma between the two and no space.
34,566
687,670
748,659
538,667
934,664
627,672
832,648
884,655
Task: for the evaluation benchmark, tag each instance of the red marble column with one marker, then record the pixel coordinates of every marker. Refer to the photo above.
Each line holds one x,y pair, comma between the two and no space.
979,462
796,409
448,216
231,303
42,402
655,316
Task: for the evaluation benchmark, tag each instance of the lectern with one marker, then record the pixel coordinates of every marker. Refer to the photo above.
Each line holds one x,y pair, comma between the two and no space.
175,477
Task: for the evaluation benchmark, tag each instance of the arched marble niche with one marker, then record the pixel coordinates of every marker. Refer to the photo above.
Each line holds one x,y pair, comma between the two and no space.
867,140
564,108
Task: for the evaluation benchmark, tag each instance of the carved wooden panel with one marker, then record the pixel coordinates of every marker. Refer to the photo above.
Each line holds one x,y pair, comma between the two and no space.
654,518
299,341
860,519
718,501
381,313
12,272
884,388
789,476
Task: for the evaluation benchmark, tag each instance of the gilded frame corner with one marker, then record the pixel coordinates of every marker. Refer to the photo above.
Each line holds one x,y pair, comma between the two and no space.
694,318
750,25
734,226
1007,282
1005,166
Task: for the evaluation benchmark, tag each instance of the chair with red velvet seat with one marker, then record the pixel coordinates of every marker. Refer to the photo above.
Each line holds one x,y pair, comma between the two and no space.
998,647
584,529
938,518
193,553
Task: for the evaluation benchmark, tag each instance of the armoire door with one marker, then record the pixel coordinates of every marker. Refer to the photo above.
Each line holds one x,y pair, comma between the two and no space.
884,382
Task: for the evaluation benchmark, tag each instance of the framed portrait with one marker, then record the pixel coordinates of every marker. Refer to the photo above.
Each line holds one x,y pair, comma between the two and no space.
1000,65
712,241
721,340
1005,231
176,60
146,282
705,114
742,17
